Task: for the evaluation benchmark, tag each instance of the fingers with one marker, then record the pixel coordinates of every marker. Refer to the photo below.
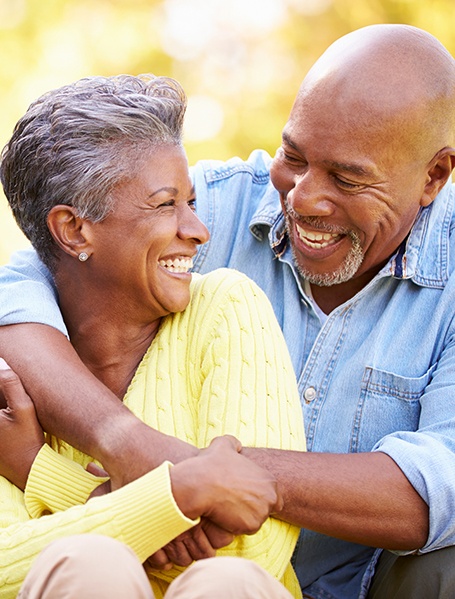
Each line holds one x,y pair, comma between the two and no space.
100,490
21,436
190,546
226,487
226,441
178,553
218,537
242,494
96,470
159,561
13,391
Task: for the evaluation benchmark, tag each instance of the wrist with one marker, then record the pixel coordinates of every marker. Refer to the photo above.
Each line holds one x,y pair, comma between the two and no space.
189,491
130,449
19,475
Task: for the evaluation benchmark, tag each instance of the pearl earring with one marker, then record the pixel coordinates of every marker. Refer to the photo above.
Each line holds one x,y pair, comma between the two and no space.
83,256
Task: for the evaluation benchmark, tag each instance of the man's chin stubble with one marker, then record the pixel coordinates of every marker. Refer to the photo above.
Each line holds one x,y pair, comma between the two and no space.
344,273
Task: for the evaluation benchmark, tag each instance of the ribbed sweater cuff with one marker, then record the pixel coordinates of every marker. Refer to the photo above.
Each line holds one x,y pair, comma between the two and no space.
147,513
55,483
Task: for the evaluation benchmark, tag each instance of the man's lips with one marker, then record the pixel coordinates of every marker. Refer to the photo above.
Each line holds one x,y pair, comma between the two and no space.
317,239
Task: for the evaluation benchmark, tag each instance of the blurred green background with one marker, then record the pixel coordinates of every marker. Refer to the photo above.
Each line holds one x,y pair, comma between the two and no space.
240,61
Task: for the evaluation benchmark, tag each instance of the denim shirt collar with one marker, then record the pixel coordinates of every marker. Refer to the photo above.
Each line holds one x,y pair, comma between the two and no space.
423,256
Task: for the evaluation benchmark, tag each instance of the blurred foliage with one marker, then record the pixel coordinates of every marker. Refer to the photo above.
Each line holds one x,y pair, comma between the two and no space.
240,62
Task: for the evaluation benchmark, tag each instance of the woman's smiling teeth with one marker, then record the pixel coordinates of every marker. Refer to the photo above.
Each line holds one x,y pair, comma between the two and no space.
177,264
318,240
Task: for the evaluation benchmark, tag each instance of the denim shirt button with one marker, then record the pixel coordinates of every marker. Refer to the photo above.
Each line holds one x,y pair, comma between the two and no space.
309,394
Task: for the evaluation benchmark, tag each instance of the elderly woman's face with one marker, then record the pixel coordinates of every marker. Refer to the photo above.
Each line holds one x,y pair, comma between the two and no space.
142,252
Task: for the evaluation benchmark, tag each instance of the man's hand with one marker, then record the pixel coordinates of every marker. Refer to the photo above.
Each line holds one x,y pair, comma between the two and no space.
21,436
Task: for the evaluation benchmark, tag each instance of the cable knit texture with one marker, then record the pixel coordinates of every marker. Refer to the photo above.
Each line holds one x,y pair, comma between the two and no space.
221,366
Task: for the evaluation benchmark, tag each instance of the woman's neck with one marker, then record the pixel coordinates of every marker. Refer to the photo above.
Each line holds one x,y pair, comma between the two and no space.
112,354
107,339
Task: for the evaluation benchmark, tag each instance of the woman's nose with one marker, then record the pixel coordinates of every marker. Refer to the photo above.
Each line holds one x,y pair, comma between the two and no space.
191,227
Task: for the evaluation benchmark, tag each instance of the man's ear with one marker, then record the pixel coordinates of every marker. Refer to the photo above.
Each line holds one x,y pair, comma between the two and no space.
69,230
439,170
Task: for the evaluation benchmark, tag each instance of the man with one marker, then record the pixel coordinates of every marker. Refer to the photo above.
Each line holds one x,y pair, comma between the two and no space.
355,254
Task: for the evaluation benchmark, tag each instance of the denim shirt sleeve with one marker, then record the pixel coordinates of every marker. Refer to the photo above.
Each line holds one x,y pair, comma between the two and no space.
427,456
28,293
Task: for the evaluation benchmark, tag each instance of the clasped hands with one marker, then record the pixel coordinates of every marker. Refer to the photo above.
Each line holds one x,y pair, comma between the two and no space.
230,493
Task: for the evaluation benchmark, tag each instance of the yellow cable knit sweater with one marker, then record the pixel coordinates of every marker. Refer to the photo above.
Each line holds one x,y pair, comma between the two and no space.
220,366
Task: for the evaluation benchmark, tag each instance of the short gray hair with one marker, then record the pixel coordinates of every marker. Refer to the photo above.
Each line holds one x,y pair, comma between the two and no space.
76,143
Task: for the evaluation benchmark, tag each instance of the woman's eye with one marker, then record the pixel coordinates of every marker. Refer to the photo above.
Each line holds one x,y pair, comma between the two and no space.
192,204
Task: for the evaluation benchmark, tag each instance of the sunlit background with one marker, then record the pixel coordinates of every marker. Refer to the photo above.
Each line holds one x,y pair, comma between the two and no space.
240,61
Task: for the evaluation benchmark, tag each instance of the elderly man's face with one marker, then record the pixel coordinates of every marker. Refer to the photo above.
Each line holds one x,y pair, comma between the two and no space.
349,192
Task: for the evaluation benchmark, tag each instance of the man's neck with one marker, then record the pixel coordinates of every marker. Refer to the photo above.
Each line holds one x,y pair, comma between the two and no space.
329,298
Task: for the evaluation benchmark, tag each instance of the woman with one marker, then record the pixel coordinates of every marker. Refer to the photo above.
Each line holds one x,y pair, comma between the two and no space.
97,178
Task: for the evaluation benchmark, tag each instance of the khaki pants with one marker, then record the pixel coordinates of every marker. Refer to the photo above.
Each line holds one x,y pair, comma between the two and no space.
97,567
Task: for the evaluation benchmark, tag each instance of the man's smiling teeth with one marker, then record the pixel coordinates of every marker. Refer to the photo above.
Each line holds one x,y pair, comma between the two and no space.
317,240
177,265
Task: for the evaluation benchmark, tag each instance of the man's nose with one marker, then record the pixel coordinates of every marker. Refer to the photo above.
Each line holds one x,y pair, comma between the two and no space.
309,197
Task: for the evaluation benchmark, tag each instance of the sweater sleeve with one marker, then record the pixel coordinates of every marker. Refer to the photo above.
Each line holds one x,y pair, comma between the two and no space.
246,387
56,483
143,514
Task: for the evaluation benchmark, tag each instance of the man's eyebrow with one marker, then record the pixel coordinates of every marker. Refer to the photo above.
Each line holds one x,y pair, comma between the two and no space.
355,169
287,139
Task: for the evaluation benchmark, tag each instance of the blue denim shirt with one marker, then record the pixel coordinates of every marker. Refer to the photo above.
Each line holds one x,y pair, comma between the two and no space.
378,375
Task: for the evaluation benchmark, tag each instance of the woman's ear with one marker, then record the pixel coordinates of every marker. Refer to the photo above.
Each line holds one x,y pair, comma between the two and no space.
69,230
439,171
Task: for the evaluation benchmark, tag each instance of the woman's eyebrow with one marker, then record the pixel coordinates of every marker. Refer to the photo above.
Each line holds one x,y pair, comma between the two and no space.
172,190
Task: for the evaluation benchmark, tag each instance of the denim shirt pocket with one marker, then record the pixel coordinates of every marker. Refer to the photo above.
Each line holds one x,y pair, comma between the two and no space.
388,403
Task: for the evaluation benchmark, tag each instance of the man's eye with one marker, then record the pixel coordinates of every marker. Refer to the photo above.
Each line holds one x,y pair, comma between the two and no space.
291,158
347,184
192,204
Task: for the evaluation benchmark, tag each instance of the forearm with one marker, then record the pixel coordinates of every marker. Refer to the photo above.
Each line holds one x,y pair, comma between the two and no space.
363,498
73,405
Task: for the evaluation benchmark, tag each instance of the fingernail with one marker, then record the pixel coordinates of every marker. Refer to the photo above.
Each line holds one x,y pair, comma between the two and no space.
4,365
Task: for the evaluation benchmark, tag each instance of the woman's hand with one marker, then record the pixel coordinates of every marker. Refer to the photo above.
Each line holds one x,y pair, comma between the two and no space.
225,487
21,436
232,495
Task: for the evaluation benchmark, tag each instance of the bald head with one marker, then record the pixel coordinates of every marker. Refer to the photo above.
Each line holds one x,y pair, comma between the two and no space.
388,74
